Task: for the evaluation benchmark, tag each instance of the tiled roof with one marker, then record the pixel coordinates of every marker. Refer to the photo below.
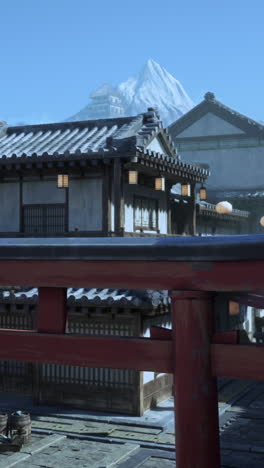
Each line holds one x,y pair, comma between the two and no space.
211,104
238,194
257,194
71,138
60,138
94,297
175,166
91,140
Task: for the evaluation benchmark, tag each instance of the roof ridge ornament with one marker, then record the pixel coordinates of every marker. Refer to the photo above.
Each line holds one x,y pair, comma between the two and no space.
209,96
151,116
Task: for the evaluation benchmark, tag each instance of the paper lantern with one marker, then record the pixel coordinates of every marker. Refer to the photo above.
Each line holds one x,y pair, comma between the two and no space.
132,177
63,181
223,207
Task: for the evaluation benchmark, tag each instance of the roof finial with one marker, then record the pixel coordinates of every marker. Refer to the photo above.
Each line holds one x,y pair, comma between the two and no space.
209,96
152,115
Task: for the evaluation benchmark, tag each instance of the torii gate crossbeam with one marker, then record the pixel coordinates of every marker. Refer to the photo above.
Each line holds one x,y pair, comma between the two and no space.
193,269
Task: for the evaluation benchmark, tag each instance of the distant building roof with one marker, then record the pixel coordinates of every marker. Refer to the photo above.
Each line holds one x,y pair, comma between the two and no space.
94,297
211,104
239,194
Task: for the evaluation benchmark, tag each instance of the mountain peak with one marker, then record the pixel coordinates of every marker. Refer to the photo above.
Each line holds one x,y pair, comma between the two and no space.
152,87
150,63
152,68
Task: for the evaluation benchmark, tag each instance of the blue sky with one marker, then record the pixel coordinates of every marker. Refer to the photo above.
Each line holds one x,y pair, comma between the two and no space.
54,53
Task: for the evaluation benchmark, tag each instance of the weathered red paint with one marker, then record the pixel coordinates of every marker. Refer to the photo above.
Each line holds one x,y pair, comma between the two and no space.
90,351
230,337
195,390
253,300
160,333
240,361
204,276
52,302
243,361
189,351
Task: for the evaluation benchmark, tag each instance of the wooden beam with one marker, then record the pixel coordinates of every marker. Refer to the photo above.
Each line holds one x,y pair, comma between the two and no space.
252,300
208,276
160,333
91,351
238,361
229,337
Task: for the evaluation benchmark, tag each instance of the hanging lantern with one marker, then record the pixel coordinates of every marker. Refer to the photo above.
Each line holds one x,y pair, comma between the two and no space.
202,193
63,181
160,183
133,177
185,190
261,221
223,207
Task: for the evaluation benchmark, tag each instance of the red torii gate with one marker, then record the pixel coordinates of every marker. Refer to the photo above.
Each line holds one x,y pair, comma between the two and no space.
193,269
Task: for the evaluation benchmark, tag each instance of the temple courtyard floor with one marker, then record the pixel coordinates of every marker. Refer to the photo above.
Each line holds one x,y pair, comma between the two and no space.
70,438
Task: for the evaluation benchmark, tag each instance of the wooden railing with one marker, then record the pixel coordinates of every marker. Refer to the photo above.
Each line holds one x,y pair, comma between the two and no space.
193,269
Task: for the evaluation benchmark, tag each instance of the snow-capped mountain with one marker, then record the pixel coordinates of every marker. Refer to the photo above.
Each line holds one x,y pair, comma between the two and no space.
155,87
152,87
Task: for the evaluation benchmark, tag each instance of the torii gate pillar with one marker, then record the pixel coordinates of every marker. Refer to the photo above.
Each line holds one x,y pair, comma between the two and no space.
195,390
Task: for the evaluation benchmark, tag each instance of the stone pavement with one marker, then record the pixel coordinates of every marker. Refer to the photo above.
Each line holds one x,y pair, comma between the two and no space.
63,438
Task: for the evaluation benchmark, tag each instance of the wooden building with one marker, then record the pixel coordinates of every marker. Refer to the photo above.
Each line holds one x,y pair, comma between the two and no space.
209,222
96,178
96,312
233,146
97,157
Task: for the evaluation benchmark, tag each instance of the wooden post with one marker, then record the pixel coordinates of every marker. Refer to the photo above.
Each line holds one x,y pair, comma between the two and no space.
195,390
21,220
51,318
106,202
66,209
52,310
118,199
192,218
168,201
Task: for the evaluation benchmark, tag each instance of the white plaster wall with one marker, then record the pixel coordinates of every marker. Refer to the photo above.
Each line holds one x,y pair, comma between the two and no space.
112,216
250,321
9,196
156,145
210,124
85,204
235,168
138,190
42,191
